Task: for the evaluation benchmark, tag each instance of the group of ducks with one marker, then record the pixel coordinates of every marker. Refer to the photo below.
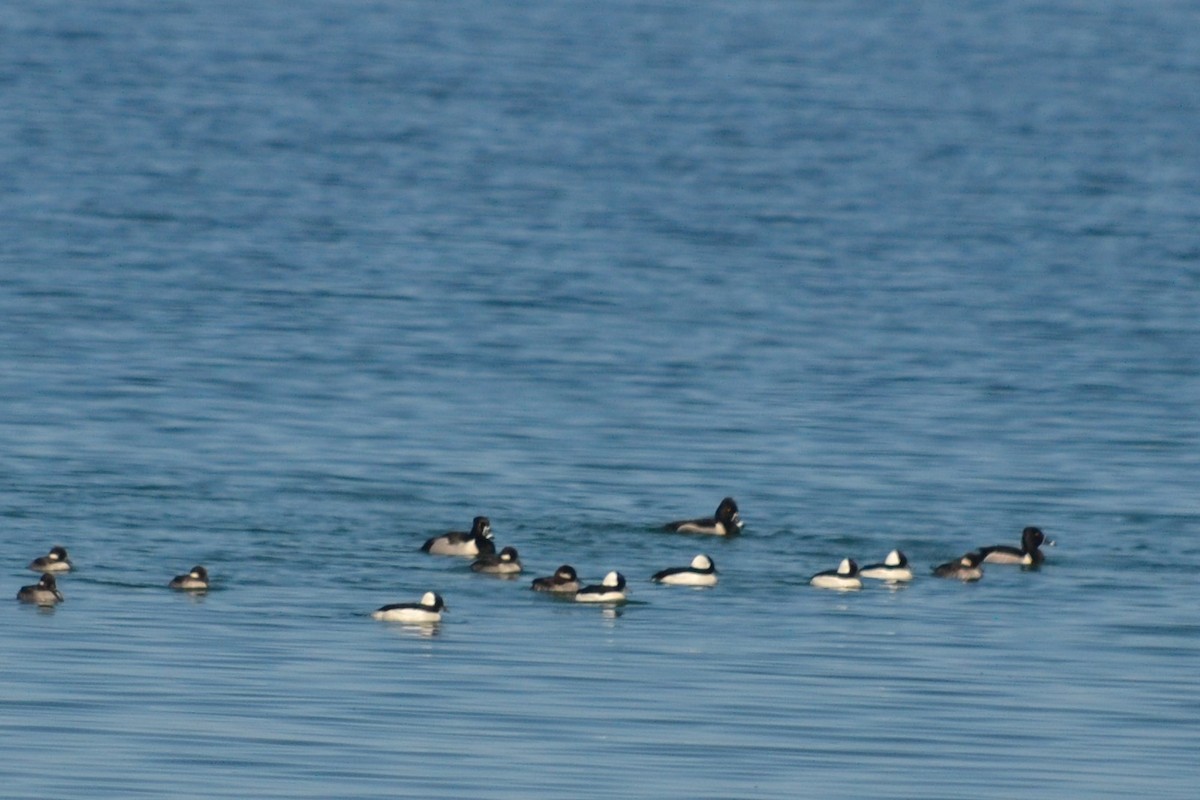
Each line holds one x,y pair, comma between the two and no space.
478,544
46,593
968,567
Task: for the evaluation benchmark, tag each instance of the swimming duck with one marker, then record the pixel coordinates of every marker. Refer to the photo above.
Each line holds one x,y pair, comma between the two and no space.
844,578
476,542
563,581
725,522
966,568
429,609
194,581
893,569
701,572
610,590
54,561
1028,553
506,562
43,593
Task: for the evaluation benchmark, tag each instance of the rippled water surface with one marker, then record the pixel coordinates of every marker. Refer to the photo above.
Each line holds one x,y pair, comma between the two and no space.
286,289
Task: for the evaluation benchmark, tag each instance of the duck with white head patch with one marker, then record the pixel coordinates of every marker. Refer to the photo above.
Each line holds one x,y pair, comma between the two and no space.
1028,554
844,578
701,572
726,522
505,563
54,561
964,568
894,569
475,542
563,581
43,593
428,610
194,581
610,590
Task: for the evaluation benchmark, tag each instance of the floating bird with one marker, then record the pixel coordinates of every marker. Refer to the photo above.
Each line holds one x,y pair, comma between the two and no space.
43,593
54,561
701,572
476,542
1028,553
506,562
429,609
610,590
194,581
725,522
563,581
893,569
965,568
844,578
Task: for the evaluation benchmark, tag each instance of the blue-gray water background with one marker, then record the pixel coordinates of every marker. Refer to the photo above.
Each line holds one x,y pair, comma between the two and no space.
286,288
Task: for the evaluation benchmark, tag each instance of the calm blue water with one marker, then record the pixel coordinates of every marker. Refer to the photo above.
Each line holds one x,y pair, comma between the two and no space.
286,288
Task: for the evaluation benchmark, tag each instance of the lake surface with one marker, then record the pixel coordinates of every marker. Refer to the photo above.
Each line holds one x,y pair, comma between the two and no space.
287,288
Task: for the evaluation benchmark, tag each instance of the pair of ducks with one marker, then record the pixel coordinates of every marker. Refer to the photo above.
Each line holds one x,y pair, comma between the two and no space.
478,542
893,569
966,568
46,592
969,566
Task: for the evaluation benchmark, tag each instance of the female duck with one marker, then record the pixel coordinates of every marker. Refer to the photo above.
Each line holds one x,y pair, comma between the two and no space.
701,572
610,590
43,593
563,581
54,561
430,609
1027,554
964,569
476,542
844,578
893,569
194,581
725,522
506,562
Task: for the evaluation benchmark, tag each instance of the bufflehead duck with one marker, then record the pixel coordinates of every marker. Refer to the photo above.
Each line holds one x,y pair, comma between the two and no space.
54,561
964,569
894,568
476,542
610,590
194,581
725,522
701,572
1028,553
563,581
43,593
428,610
844,578
506,562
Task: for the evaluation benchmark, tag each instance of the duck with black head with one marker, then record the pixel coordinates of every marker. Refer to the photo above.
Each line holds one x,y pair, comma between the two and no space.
43,593
1028,554
196,580
54,561
726,521
475,542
